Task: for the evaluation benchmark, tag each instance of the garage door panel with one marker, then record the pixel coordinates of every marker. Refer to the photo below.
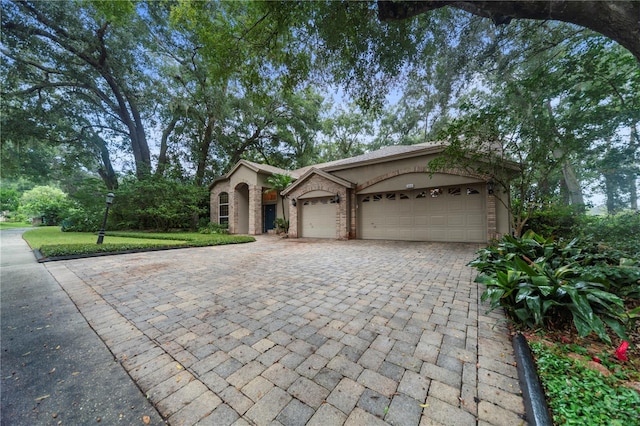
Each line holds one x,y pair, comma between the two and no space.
437,235
456,203
476,235
456,220
318,218
475,220
438,220
439,214
456,235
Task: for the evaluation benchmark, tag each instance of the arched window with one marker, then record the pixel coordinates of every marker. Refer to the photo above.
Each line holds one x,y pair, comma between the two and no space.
223,208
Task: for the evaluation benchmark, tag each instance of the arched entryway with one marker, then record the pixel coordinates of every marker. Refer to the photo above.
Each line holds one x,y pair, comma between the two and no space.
241,205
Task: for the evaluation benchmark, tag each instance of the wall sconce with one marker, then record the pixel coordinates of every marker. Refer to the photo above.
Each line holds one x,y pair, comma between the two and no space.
336,199
294,202
490,187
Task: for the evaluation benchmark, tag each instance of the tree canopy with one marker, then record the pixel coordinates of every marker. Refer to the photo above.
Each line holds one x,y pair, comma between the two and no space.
182,90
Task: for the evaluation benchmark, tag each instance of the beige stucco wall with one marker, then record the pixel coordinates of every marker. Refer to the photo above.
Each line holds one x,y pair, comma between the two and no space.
418,180
365,173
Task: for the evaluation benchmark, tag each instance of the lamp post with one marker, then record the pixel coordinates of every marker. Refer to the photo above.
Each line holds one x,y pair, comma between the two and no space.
110,197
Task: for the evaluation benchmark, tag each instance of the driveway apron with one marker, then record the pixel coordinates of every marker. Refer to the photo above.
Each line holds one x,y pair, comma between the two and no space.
294,332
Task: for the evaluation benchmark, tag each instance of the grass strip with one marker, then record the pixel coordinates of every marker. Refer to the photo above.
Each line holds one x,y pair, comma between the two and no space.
12,225
52,242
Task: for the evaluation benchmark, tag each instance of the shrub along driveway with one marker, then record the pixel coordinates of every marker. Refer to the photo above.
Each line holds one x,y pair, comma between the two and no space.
303,332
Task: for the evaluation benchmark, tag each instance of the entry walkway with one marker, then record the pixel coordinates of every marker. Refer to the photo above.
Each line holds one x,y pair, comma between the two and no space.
294,332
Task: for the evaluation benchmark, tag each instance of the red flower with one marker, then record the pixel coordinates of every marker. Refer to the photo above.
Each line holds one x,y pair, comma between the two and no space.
596,359
621,352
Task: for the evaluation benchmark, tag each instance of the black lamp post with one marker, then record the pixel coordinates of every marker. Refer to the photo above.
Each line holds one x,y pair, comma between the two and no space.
110,197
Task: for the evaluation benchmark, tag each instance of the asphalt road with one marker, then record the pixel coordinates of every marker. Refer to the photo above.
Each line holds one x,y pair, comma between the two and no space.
55,370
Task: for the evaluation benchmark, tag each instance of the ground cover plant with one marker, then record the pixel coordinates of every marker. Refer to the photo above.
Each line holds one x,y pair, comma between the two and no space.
586,386
51,241
578,303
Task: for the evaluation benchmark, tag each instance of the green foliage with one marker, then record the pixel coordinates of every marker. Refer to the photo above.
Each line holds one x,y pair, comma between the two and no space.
49,203
87,211
158,203
9,199
557,219
538,280
282,225
581,396
214,228
618,231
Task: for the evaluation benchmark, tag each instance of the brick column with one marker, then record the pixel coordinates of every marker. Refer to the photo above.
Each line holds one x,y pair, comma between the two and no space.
255,210
213,206
293,218
343,215
353,211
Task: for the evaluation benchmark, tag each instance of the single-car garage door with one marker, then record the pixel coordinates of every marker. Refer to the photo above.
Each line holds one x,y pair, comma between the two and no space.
318,218
454,213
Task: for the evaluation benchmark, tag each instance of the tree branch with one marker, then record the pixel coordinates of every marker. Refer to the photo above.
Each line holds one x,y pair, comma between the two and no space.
617,20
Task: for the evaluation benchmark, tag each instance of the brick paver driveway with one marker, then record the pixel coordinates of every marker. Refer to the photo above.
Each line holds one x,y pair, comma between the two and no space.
297,332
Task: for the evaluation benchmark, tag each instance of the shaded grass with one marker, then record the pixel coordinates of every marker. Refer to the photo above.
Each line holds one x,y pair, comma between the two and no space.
51,241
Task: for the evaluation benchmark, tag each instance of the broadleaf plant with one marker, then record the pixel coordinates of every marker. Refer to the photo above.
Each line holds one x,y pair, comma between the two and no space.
538,280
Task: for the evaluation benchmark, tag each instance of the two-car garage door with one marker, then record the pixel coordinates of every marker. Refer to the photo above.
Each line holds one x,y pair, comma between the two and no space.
454,213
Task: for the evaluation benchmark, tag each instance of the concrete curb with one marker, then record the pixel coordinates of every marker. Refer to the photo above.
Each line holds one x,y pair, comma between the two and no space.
535,403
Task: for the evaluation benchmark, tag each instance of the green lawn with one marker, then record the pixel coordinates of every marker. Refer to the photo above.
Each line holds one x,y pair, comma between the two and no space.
51,241
10,225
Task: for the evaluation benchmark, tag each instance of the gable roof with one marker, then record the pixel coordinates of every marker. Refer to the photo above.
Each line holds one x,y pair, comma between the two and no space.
256,167
313,171
260,168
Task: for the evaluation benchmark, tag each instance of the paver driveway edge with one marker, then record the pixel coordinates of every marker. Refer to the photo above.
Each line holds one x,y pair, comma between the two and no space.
457,336
172,388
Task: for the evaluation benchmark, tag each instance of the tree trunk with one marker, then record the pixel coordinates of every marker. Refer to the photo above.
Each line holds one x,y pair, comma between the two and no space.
610,190
634,143
164,146
633,192
202,151
573,185
106,172
617,20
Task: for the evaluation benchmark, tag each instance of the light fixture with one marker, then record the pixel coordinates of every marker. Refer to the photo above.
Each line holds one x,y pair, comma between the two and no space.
336,199
109,201
294,202
490,187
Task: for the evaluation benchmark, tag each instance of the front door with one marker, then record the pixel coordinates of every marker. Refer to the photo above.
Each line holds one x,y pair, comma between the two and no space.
269,217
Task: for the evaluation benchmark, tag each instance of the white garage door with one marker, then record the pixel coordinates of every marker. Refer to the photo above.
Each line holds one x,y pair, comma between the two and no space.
318,218
454,213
